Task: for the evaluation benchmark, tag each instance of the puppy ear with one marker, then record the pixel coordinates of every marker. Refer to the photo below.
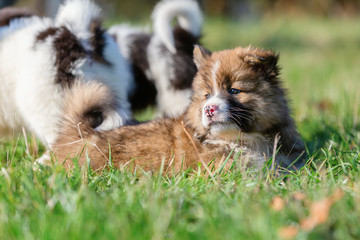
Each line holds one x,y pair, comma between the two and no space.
200,55
264,61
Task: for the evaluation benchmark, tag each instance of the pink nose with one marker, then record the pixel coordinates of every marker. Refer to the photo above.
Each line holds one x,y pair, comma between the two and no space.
210,110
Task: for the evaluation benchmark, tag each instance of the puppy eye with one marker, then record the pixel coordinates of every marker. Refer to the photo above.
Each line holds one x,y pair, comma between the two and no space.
207,95
234,91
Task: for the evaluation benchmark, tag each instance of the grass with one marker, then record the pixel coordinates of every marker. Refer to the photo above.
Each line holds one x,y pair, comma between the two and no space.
320,61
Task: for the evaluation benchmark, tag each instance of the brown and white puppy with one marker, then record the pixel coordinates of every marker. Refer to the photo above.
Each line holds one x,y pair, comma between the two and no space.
238,108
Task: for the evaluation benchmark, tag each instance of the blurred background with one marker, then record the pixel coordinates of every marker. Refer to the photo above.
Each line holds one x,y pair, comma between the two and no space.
236,9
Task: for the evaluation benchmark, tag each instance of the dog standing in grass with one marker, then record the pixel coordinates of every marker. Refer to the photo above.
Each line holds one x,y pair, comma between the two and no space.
162,61
238,109
42,58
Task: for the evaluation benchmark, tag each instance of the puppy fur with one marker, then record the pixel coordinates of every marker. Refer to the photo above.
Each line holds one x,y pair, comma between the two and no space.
238,107
41,58
162,61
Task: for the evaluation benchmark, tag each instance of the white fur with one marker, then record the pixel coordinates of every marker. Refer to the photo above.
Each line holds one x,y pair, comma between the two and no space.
23,75
29,96
76,15
223,127
118,75
188,14
123,39
213,75
169,100
253,148
221,113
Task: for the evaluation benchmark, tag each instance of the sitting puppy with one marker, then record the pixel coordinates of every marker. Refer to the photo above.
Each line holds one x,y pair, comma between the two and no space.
41,58
162,62
238,107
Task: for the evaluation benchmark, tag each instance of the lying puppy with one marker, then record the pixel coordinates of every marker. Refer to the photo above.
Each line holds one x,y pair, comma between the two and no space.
238,107
162,62
41,58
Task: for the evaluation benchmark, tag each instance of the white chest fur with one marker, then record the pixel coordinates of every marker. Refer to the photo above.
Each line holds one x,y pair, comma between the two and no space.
251,148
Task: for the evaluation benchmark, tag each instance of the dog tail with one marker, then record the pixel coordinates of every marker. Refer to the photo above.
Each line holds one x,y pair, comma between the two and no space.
7,14
78,16
90,106
189,18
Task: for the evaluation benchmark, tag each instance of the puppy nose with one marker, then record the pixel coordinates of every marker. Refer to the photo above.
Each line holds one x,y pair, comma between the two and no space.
210,110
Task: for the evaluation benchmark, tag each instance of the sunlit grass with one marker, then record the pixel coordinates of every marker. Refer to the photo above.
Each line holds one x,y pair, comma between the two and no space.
319,59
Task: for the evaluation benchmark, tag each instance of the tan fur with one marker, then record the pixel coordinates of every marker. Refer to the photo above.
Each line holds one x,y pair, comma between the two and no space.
86,95
183,142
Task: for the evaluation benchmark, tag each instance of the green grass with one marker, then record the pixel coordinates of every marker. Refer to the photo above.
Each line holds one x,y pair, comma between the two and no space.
320,60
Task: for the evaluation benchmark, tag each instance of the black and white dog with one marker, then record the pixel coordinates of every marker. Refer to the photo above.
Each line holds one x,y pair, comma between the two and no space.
162,61
42,58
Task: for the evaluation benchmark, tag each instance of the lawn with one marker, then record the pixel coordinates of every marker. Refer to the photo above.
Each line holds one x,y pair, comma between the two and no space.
320,67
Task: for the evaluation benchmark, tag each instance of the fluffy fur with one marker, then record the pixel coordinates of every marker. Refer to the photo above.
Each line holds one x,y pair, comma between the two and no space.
162,62
238,106
41,58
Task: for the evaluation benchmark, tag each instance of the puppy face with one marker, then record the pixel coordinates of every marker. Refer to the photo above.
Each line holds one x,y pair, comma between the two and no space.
236,91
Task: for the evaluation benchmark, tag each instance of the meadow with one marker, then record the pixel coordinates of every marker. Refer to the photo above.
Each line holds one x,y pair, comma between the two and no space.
320,68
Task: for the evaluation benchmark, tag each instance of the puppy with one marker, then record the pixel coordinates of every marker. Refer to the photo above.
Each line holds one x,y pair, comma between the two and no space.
238,109
41,58
161,62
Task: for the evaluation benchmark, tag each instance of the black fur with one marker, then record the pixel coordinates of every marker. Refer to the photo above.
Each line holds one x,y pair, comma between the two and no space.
97,41
184,66
68,50
240,114
46,33
140,42
145,93
93,117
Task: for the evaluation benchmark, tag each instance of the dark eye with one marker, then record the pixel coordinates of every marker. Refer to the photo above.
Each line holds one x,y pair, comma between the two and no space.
207,95
234,91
